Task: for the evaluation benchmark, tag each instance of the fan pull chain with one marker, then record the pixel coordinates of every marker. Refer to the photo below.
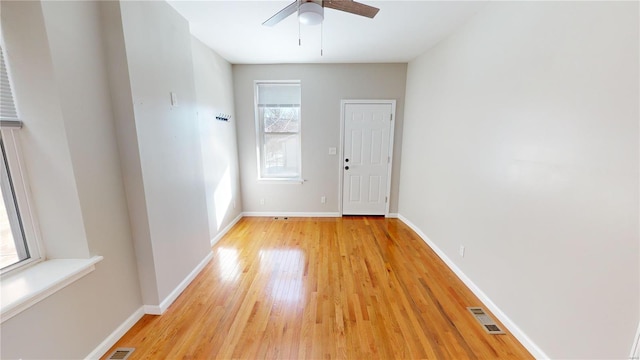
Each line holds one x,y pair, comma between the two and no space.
299,37
321,37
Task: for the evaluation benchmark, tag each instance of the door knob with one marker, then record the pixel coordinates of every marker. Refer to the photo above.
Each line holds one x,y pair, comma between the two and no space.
346,168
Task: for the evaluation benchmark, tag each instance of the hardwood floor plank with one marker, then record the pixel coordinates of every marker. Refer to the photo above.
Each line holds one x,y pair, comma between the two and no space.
332,288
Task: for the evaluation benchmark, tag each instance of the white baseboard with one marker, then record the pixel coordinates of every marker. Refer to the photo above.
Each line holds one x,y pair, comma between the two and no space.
534,349
291,214
226,229
104,346
152,309
164,305
392,216
635,348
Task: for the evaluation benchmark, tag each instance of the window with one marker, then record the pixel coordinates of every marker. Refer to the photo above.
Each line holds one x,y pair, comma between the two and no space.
18,244
26,277
278,130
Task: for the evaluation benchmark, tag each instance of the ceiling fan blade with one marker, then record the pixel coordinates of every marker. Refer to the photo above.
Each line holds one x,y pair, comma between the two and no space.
282,14
351,7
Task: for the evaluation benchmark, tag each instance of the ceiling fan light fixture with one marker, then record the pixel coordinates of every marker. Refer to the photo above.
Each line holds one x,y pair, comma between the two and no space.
310,13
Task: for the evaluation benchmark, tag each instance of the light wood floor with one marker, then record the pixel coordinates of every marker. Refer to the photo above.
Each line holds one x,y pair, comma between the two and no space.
349,288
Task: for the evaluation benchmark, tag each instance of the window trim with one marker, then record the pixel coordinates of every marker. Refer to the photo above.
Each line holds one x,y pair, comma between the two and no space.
10,127
259,127
23,289
22,195
11,207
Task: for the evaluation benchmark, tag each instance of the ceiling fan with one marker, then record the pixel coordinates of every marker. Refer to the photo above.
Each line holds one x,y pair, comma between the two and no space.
311,12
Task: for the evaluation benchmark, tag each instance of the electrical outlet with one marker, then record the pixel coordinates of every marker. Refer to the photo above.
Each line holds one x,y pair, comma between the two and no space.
461,250
262,201
323,199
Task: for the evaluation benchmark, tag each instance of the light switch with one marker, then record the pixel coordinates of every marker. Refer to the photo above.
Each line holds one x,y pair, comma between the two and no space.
332,151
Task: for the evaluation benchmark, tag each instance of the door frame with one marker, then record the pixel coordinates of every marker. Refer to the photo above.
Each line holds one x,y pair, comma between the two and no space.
343,105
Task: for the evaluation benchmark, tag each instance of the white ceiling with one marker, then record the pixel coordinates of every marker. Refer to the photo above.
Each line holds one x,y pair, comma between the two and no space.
401,31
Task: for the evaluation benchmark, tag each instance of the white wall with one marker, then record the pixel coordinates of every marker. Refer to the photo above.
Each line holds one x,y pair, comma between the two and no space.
116,171
214,95
45,140
323,86
158,52
127,140
521,143
72,160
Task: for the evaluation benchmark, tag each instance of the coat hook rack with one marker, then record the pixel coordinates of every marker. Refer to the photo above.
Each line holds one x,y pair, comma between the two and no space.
223,117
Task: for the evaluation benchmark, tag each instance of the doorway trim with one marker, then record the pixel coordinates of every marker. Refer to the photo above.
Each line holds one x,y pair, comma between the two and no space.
343,104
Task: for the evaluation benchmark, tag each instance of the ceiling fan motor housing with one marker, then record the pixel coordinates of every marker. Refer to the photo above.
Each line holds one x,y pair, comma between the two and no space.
310,13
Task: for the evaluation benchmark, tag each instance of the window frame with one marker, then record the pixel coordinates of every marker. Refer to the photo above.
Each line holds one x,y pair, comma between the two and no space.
21,193
21,206
32,280
261,134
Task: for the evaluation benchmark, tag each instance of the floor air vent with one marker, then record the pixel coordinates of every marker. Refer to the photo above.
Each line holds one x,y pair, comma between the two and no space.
487,323
121,354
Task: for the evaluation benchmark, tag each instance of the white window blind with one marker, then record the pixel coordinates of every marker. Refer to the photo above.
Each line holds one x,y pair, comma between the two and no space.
278,128
8,113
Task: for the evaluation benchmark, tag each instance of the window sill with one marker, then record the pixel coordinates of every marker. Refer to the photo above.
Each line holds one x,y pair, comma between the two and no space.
26,288
281,181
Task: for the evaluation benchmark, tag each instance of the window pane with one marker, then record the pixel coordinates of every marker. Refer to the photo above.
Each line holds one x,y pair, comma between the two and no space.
8,252
278,128
281,119
281,155
13,248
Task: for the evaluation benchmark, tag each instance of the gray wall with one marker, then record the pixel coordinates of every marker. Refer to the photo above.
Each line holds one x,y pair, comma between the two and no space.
72,161
115,170
521,143
214,94
158,51
47,149
323,86
127,139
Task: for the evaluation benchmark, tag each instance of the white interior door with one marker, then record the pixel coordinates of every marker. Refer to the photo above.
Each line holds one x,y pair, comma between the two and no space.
366,157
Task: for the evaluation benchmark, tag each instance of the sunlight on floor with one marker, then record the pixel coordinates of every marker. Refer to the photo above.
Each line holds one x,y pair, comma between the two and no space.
286,269
229,265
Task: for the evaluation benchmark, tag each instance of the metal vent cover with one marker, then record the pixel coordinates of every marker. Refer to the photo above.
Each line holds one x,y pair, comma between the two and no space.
121,354
485,320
